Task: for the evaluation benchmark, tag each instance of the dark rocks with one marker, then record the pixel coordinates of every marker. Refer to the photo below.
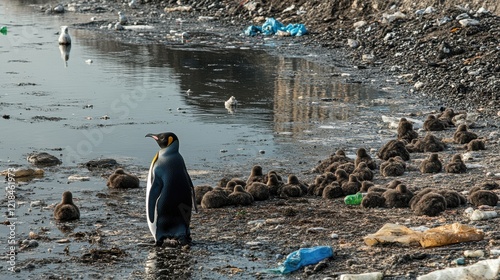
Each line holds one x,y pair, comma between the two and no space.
104,163
43,159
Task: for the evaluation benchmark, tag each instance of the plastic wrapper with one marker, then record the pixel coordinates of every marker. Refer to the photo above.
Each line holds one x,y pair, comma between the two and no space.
303,257
450,234
434,237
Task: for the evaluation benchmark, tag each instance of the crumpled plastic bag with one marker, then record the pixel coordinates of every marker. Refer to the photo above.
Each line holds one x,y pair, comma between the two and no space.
439,236
272,26
303,257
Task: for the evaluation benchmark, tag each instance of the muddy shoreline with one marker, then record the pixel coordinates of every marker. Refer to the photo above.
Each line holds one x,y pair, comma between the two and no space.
111,238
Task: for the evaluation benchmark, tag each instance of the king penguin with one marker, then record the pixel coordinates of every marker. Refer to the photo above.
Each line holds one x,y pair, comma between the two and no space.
170,193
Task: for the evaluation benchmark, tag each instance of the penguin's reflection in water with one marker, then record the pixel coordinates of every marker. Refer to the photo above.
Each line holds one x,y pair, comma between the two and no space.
169,263
65,49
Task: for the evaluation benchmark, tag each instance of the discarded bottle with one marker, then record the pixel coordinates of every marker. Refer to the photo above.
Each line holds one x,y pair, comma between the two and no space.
3,30
353,199
303,257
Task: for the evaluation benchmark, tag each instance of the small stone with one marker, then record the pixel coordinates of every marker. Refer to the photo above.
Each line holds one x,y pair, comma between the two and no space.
468,22
459,261
359,24
334,236
418,85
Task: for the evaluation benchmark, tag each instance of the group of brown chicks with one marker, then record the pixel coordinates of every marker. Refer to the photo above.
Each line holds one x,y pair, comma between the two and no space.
341,176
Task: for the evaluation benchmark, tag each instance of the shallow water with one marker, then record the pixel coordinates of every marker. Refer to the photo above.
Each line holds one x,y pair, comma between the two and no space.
150,88
58,106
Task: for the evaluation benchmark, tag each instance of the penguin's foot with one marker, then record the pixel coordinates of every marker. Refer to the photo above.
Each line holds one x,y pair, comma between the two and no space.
171,243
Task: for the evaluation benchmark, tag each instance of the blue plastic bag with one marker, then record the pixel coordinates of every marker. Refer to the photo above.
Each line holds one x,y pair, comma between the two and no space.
303,257
272,26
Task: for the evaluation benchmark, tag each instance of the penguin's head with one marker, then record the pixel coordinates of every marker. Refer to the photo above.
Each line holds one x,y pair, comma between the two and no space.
164,139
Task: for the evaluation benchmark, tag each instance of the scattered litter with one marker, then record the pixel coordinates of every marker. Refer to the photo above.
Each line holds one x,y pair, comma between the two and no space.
439,236
303,257
363,276
272,26
487,269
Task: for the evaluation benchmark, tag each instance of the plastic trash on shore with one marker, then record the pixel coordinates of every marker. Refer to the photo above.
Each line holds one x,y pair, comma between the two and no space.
487,269
363,276
3,30
434,237
272,26
303,257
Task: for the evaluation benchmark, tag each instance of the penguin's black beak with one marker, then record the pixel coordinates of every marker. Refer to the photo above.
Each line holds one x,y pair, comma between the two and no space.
152,136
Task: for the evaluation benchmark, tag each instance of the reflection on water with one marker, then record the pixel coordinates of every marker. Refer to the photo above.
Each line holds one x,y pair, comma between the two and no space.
65,50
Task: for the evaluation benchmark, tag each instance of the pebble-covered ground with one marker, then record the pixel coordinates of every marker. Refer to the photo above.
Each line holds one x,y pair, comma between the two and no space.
445,64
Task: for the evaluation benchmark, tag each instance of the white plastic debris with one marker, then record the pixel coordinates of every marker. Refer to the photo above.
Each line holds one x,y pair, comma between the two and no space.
363,276
487,269
479,215
473,253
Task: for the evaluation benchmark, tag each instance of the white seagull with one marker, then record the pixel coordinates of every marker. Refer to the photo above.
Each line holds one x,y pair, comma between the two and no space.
230,104
64,38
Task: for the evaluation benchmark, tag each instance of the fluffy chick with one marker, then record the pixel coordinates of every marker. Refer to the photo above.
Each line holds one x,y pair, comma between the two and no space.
456,165
352,186
462,135
363,156
333,190
395,166
215,198
394,148
259,191
200,191
405,131
483,197
66,210
432,123
373,200
430,204
398,198
256,175
122,180
240,196
432,164
363,172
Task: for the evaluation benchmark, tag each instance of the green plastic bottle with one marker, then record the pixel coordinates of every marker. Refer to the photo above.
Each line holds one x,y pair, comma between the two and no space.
3,30
353,199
